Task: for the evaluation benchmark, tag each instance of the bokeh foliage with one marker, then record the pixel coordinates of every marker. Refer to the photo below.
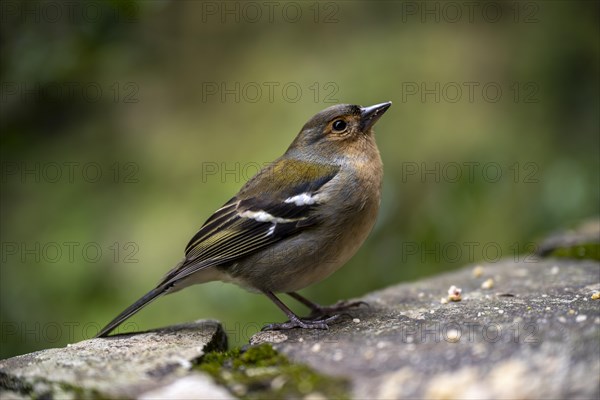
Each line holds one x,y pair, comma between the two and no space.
156,132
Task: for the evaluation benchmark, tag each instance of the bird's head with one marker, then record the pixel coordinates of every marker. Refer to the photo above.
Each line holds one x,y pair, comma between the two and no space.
338,130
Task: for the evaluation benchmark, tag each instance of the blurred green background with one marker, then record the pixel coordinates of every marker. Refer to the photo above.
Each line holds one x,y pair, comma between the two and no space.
124,125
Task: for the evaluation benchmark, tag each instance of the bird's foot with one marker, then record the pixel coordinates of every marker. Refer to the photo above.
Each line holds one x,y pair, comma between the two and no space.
337,308
296,322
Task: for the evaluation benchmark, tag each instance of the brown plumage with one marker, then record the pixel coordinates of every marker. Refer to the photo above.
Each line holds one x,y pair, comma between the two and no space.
295,222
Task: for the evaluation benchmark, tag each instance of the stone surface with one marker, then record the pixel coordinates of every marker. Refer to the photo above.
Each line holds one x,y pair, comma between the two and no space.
193,386
147,365
534,334
576,239
527,329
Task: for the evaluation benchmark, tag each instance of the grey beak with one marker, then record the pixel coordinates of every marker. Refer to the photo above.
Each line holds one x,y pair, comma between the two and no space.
370,115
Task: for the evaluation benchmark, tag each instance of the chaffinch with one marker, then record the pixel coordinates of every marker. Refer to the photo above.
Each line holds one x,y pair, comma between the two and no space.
295,222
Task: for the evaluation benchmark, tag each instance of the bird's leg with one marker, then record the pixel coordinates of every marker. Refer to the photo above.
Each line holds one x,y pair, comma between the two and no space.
323,311
294,320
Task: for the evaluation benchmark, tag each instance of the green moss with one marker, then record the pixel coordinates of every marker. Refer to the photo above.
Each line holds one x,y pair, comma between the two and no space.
589,251
261,372
77,392
44,389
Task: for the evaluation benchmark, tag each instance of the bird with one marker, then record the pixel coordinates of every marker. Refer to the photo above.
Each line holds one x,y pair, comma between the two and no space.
294,223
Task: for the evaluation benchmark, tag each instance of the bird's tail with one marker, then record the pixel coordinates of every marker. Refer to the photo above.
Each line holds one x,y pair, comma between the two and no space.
132,309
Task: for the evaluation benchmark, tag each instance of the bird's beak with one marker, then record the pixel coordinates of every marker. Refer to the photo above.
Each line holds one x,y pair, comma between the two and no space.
370,115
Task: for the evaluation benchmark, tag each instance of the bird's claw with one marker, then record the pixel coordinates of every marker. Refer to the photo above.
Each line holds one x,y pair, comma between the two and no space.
337,308
302,323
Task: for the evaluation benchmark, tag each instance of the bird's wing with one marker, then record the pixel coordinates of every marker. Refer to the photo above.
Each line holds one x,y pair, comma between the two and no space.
275,204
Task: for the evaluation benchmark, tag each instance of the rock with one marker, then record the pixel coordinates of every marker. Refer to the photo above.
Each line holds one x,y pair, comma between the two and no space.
581,242
193,386
535,334
146,365
527,328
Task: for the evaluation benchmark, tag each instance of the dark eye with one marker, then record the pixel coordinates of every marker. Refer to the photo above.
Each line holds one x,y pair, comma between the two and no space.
339,125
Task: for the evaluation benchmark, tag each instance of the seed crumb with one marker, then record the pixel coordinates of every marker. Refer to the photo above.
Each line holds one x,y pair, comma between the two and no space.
488,284
454,293
580,318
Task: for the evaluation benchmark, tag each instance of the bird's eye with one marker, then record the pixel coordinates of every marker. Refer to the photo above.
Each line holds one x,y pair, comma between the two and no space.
339,125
